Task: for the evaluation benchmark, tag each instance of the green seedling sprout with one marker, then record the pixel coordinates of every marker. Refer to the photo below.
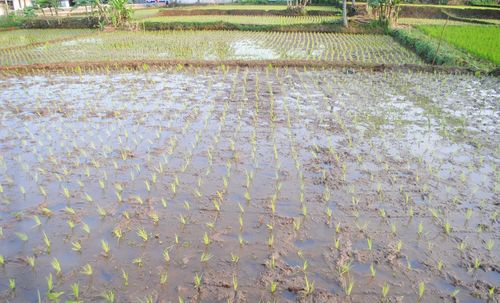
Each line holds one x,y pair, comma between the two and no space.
274,287
197,280
461,246
137,261
142,234
101,211
125,277
117,232
163,278
304,210
56,266
468,214
337,243
477,263
447,227
47,242
87,270
308,286
440,265
216,205
234,258
420,229
393,229
85,227
109,296
235,283
270,240
183,219
76,246
421,290
31,261
37,221
490,244
105,248
399,245
50,282
385,290
22,236
205,257
372,270
166,256
75,287
206,239
272,262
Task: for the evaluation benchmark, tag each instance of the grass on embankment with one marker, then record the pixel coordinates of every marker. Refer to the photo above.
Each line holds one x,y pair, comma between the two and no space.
441,53
325,27
11,21
482,41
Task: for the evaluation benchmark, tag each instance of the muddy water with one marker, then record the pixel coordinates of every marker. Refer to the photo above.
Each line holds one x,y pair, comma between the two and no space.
98,157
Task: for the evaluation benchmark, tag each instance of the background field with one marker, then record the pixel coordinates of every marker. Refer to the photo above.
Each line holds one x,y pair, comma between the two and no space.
482,41
25,37
253,7
268,20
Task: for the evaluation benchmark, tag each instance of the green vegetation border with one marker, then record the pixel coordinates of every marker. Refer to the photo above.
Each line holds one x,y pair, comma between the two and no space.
439,53
326,27
62,22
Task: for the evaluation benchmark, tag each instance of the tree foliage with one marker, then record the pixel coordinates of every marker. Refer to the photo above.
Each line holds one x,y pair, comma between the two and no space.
386,11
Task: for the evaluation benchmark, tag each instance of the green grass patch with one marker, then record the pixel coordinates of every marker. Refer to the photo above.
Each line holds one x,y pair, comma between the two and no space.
426,21
11,21
457,21
482,41
432,51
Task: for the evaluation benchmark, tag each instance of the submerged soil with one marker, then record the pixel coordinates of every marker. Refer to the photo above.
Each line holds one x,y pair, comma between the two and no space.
234,171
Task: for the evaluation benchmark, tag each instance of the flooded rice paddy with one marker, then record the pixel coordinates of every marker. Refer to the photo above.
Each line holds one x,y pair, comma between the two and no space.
211,45
246,185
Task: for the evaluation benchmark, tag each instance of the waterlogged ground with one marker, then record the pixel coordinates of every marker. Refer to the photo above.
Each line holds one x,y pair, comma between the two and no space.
240,185
214,45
